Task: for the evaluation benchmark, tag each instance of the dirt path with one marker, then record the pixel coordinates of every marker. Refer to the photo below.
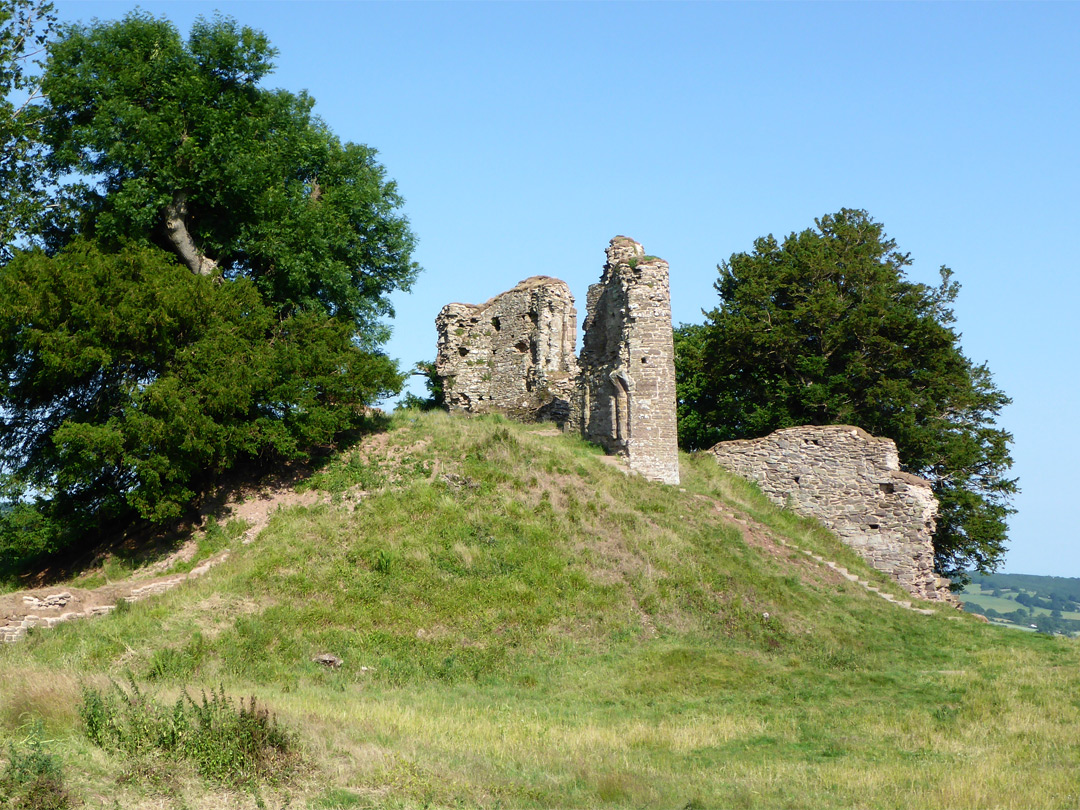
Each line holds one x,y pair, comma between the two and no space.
47,607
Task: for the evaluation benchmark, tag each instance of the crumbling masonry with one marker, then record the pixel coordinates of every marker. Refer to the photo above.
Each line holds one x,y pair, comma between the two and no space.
851,482
625,398
513,354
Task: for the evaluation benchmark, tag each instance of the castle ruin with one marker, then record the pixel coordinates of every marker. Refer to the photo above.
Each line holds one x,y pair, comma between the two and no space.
513,354
851,482
625,398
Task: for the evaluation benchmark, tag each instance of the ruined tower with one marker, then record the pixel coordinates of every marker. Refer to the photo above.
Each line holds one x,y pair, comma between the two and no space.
513,354
625,399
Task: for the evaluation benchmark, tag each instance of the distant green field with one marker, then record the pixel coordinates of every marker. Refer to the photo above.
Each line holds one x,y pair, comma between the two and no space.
1048,604
987,602
1005,604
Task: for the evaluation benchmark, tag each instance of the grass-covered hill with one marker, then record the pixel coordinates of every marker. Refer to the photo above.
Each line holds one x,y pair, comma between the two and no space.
521,624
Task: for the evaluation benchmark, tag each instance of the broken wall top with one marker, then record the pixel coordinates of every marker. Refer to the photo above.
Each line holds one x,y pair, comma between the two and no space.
514,353
626,399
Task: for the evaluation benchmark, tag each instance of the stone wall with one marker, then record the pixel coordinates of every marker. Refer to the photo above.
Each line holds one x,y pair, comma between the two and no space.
513,354
625,399
851,482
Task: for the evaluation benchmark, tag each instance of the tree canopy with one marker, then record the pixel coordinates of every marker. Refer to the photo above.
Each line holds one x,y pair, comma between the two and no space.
188,152
206,288
25,26
824,328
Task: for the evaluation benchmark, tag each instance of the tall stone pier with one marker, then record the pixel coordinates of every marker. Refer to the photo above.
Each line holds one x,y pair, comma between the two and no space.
625,397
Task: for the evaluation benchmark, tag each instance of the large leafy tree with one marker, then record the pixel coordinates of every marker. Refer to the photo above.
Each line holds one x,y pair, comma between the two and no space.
25,26
208,290
824,328
188,152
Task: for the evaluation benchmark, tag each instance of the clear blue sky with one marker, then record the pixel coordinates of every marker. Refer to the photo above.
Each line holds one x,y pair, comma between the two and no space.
525,135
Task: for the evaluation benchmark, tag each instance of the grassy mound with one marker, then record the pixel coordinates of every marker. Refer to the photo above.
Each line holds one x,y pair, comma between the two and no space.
520,624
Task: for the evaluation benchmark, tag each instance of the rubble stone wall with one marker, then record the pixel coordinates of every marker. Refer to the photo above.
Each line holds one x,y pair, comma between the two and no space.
513,354
851,482
625,398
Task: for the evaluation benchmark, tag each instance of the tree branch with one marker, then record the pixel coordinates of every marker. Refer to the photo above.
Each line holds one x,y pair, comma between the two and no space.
176,229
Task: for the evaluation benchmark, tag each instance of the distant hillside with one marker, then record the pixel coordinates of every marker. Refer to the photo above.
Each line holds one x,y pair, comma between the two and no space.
1048,604
473,613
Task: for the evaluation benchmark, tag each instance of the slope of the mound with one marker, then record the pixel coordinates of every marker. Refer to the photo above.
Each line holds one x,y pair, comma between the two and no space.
521,624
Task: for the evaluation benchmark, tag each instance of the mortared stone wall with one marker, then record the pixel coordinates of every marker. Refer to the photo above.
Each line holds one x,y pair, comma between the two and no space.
626,389
513,354
851,482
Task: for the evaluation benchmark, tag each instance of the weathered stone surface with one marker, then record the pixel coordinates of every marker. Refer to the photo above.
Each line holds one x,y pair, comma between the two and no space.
625,398
851,482
513,354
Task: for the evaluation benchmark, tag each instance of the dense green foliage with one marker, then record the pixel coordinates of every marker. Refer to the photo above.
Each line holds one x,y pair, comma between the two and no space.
226,742
206,291
32,778
25,26
134,383
823,328
266,190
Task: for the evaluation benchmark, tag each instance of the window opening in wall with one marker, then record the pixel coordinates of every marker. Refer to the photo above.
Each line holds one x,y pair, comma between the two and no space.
463,350
496,323
621,403
888,489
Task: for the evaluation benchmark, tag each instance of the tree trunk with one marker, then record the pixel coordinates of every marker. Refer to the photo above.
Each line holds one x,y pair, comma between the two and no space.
176,230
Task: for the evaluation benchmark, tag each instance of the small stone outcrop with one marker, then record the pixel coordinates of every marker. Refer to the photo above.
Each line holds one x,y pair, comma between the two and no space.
625,398
851,482
513,354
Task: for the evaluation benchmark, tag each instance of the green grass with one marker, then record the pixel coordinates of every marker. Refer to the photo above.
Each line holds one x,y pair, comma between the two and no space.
523,625
32,778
